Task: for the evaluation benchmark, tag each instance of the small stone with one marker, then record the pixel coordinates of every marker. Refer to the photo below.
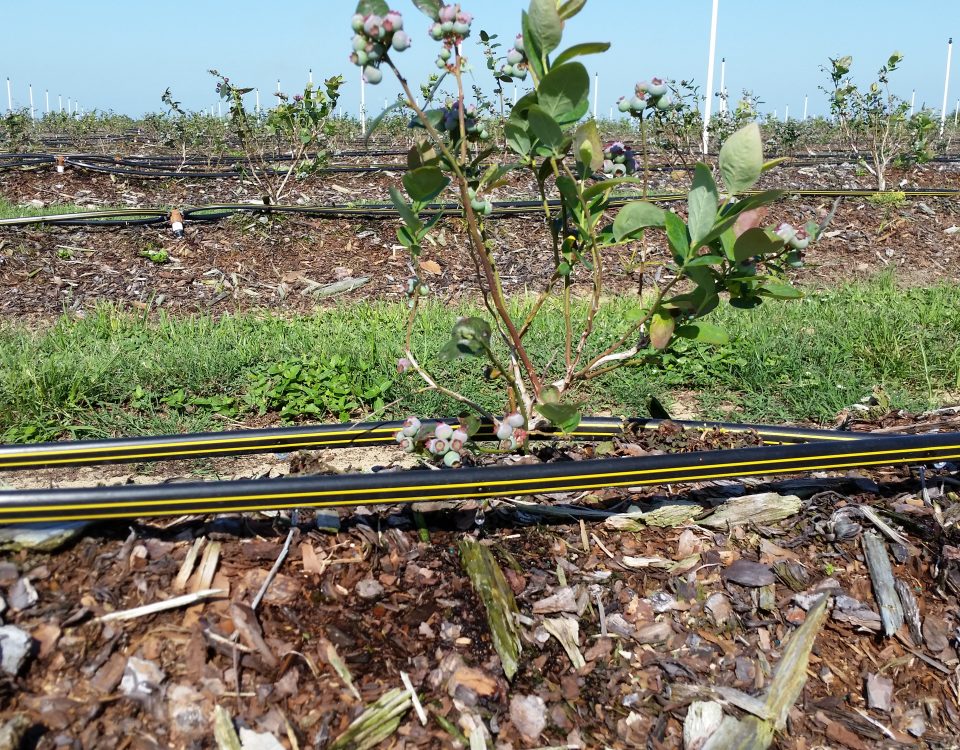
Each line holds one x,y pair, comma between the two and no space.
15,647
563,600
529,715
935,634
719,609
914,722
250,740
617,624
747,573
655,632
369,589
22,595
879,692
141,678
663,601
795,616
185,710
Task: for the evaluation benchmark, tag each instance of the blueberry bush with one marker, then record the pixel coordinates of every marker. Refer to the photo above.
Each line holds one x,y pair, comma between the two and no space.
721,250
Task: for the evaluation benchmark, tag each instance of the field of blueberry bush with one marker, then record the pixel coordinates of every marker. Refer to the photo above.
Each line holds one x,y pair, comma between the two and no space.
518,291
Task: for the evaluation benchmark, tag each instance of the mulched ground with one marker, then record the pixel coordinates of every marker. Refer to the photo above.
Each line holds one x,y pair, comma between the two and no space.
286,264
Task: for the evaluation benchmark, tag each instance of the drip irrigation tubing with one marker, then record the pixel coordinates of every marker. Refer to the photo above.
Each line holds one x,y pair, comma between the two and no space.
312,437
215,212
248,495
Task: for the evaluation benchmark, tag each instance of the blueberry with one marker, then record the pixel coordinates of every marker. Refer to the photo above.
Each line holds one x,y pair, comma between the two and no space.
608,166
520,73
504,430
619,170
800,240
393,21
461,29
411,426
372,75
399,436
446,26
623,104
458,440
637,104
441,63
401,41
443,431
371,26
356,23
509,444
507,70
408,445
786,232
664,103
436,32
518,43
440,446
444,53
657,87
514,419
359,42
451,458
514,57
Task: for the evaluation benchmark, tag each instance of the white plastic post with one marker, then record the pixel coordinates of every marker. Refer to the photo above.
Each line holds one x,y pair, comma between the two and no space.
311,76
946,86
60,103
278,85
46,95
596,88
611,113
363,105
258,101
913,99
723,87
220,110
69,107
514,92
30,89
709,92
804,108
786,113
9,96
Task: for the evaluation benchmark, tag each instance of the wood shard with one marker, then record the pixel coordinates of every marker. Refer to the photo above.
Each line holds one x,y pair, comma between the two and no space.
884,589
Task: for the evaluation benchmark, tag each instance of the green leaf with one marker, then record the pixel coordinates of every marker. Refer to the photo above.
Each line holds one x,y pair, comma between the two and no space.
587,146
564,416
568,189
704,260
425,183
702,204
550,395
545,24
661,329
403,208
545,128
755,241
531,44
677,235
577,50
570,8
430,8
637,215
741,159
518,138
779,290
373,7
706,333
564,92
470,337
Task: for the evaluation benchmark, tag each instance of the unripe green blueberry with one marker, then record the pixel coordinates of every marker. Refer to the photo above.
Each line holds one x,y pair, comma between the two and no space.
411,426
461,29
472,192
483,135
372,75
356,23
514,419
800,240
424,289
399,436
443,431
436,32
514,57
359,42
619,170
520,73
607,166
623,104
408,446
477,204
518,43
637,104
444,53
441,63
664,103
359,58
487,208
504,430
507,70
509,444
451,458
401,41
440,446
374,52
446,27
657,87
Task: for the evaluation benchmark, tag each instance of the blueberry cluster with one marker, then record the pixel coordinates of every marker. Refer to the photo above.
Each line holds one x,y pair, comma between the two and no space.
516,65
510,431
444,442
797,240
414,287
618,160
481,206
450,121
650,94
374,36
452,28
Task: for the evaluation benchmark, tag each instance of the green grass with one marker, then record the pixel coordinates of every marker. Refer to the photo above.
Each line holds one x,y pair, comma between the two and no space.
10,210
112,373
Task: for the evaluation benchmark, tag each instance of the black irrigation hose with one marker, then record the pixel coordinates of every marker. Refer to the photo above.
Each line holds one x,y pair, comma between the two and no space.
244,495
215,212
237,442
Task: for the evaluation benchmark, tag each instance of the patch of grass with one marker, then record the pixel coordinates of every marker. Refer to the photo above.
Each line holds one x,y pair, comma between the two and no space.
112,373
10,210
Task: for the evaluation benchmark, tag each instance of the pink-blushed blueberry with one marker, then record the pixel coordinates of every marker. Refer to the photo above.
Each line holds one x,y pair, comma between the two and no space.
393,21
504,430
400,41
443,431
515,419
458,440
657,87
411,426
786,232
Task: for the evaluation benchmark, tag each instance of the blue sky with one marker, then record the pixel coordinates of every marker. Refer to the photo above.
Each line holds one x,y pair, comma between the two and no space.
121,57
